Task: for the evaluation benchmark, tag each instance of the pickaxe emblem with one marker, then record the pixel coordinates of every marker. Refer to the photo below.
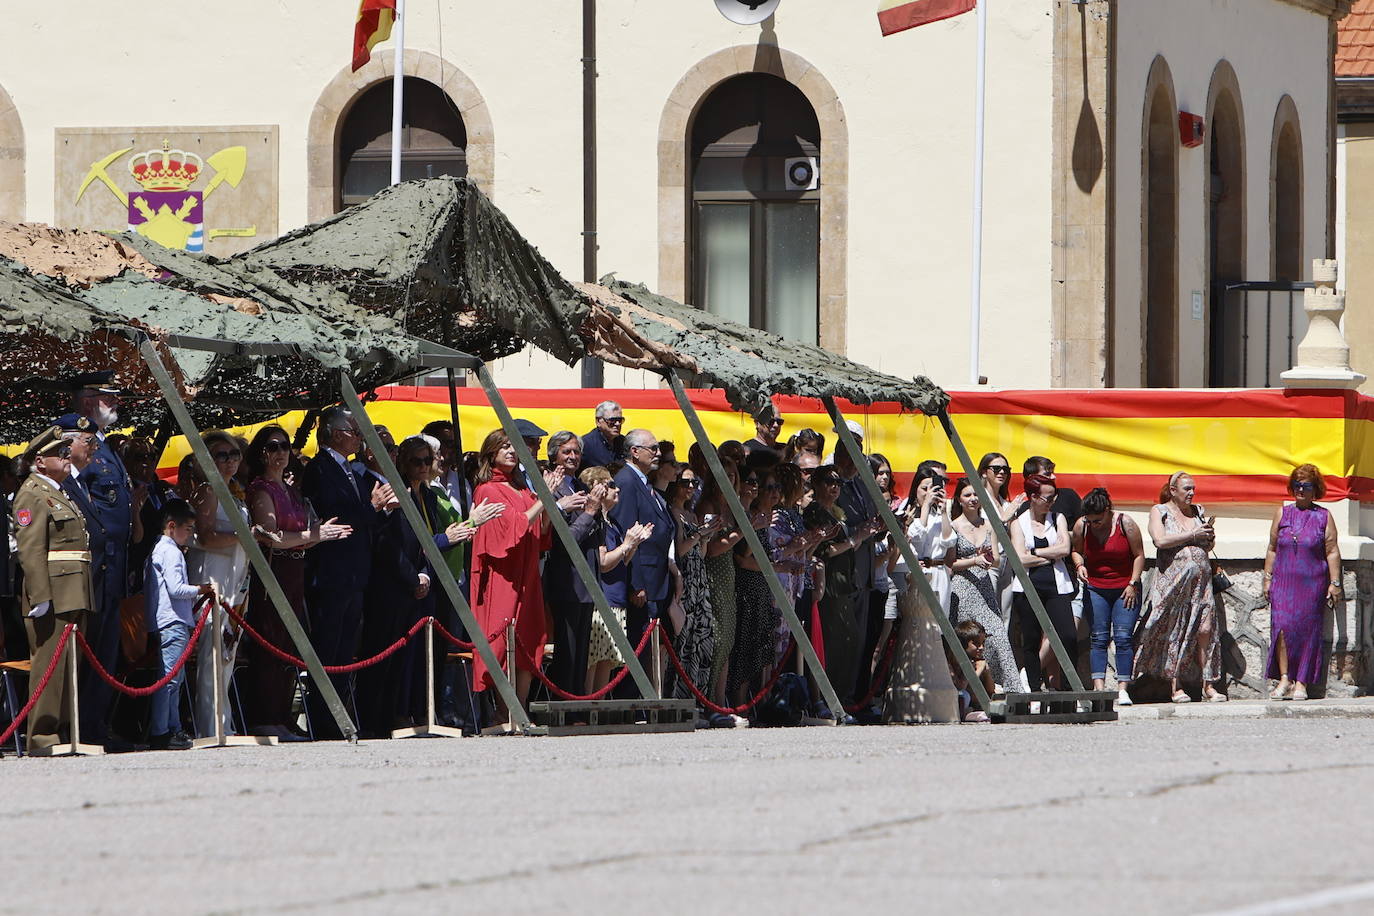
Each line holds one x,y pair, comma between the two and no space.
100,170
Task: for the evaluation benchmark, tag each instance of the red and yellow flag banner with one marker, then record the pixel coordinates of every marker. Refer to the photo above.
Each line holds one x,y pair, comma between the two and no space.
375,18
1240,446
900,15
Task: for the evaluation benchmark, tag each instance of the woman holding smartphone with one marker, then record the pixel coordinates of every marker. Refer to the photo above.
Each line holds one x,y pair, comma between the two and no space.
973,586
1180,640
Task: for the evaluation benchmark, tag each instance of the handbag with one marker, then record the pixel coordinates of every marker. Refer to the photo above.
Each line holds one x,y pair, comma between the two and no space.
1220,581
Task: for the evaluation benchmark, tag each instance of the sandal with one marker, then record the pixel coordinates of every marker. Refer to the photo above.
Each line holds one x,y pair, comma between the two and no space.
1180,697
1215,696
1299,693
1281,692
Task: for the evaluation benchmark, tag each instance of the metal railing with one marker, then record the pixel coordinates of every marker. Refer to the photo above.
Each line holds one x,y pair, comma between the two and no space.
1252,332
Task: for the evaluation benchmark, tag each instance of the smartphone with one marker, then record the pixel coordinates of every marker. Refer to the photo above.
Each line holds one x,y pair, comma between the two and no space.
708,518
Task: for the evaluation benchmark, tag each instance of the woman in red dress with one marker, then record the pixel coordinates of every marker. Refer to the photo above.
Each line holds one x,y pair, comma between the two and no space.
505,566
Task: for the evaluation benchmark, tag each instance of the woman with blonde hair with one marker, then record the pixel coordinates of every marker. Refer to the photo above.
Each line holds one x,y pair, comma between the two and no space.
1180,640
1302,578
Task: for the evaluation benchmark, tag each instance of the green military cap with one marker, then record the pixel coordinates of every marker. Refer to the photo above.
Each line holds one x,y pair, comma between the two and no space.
46,443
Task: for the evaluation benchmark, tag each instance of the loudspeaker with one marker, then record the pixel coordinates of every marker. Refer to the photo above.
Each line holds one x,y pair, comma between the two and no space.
747,12
803,174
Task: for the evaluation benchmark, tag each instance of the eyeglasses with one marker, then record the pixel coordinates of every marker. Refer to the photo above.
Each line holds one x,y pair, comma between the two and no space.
221,457
1045,499
420,461
1304,485
775,422
648,448
1000,468
275,445
751,481
613,421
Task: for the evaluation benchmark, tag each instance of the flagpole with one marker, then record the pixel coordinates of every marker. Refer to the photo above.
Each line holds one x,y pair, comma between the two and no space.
976,308
398,33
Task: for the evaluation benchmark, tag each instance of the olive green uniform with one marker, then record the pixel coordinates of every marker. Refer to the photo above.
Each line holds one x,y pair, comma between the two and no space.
55,555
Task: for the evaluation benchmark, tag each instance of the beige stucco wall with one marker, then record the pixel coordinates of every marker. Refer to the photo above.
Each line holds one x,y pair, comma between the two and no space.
907,102
1260,39
1355,241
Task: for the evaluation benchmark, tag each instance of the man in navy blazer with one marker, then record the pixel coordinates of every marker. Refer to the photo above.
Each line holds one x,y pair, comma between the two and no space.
337,572
650,575
604,444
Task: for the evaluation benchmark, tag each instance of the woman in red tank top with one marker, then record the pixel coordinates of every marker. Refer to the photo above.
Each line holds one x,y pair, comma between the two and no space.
1110,555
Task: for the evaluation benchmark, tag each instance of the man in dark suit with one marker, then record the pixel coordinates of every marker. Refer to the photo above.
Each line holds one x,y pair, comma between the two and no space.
337,572
89,489
862,524
650,575
604,444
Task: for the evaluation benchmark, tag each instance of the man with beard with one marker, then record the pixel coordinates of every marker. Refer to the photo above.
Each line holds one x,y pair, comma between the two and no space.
114,501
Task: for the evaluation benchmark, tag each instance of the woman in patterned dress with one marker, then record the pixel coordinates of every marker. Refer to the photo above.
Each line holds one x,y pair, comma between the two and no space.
1302,578
720,571
695,643
753,656
973,587
1180,640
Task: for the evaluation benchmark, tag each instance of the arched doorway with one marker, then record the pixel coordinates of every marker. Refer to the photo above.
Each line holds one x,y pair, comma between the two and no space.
1225,231
433,140
1286,194
1160,338
754,160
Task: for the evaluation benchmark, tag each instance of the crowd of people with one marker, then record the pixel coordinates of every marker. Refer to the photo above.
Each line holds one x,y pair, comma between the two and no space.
102,541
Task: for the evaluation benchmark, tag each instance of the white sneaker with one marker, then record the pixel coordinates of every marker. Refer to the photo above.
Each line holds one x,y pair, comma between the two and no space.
1123,698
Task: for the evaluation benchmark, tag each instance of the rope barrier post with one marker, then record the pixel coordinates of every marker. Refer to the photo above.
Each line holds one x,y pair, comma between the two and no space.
565,535
916,572
780,596
1019,568
481,646
430,729
73,748
261,567
221,739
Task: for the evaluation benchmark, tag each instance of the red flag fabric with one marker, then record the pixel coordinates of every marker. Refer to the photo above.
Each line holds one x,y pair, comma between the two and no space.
375,18
900,15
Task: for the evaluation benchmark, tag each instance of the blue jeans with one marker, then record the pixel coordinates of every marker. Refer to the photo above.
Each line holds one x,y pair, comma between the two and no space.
1112,622
166,717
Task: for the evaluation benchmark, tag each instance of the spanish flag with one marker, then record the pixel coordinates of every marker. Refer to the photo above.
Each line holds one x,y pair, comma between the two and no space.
375,18
900,15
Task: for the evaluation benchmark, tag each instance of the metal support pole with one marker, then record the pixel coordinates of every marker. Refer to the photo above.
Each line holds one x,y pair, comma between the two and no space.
436,560
780,596
457,443
593,372
429,672
261,566
217,661
1004,539
565,535
656,644
916,572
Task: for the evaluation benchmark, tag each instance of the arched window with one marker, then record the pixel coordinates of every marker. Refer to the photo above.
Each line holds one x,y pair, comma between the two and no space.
1286,194
1161,234
754,166
1226,238
433,139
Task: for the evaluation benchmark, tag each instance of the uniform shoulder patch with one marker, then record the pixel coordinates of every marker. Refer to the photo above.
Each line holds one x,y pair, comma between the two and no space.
24,517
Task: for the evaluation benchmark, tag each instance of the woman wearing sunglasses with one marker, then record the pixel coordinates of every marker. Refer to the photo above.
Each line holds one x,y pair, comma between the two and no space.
1302,578
995,470
278,508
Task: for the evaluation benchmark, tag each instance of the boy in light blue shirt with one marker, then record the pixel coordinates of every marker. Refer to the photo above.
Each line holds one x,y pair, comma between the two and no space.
170,608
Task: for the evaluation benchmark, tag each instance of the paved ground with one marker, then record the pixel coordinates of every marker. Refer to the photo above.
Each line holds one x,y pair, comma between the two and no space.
1142,816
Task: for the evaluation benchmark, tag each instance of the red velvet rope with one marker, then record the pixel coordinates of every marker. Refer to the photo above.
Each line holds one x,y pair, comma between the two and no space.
879,678
290,659
442,631
166,679
730,710
610,685
23,714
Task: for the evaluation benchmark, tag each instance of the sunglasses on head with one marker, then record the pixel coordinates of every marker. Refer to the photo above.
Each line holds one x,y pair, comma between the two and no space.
229,455
276,445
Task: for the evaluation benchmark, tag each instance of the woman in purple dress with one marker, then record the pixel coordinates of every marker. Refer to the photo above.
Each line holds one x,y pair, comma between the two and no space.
1302,577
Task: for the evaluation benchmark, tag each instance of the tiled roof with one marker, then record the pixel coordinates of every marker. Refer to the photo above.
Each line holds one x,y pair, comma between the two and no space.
1355,41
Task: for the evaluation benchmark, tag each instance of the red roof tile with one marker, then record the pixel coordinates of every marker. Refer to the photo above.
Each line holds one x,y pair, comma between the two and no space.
1355,41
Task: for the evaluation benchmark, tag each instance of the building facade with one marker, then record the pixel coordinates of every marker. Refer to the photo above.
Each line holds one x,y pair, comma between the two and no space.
805,175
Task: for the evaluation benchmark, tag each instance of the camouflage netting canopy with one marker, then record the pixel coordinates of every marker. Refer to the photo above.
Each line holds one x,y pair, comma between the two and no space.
470,269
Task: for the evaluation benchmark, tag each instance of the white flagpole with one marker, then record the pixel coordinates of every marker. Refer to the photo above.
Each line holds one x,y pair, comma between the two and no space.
976,309
398,34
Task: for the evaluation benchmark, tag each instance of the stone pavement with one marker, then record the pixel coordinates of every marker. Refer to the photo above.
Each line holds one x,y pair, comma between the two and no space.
1140,816
1334,707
